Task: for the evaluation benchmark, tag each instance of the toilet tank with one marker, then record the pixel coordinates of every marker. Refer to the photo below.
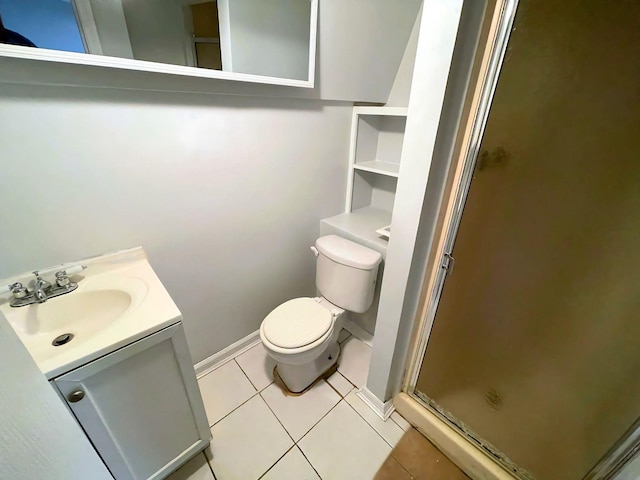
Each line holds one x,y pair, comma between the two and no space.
346,272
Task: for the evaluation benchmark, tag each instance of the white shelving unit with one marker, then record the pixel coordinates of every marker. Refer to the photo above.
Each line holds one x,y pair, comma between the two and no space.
377,134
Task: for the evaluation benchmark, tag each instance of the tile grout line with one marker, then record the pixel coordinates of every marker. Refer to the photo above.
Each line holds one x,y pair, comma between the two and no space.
347,380
308,461
257,394
247,376
310,430
276,462
322,418
371,426
295,443
314,425
398,462
236,408
401,427
209,463
274,414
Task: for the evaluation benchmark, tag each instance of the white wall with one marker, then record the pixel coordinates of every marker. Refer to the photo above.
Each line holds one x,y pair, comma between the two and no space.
108,16
225,193
270,37
401,88
423,169
39,438
158,30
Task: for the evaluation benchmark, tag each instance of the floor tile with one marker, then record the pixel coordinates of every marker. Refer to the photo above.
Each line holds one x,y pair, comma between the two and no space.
423,460
341,384
392,470
388,430
223,390
343,446
258,366
299,414
247,442
293,466
354,361
195,469
399,419
343,335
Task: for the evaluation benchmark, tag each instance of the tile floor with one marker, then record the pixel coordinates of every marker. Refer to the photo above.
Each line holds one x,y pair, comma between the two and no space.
259,433
416,458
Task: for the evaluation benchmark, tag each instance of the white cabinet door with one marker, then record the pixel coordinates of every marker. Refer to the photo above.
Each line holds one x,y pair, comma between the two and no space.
140,406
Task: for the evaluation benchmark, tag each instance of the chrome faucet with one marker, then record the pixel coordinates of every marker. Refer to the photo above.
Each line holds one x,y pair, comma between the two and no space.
42,289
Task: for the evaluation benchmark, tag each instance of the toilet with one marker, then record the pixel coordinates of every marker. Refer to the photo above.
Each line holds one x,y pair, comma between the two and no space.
301,335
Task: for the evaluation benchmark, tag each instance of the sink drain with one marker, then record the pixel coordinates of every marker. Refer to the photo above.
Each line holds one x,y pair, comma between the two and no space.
62,339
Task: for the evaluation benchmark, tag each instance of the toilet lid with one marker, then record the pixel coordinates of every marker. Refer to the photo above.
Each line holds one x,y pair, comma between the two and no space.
297,323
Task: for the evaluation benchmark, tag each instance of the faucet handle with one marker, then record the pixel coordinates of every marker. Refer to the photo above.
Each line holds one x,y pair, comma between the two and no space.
62,277
16,289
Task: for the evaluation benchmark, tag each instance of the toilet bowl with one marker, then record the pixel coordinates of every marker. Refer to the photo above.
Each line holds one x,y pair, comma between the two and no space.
301,335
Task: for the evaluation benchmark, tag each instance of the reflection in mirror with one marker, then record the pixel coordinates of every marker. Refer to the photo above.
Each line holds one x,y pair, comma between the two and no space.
261,37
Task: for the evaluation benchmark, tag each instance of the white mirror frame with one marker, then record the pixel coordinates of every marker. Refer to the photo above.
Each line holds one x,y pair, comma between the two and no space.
57,56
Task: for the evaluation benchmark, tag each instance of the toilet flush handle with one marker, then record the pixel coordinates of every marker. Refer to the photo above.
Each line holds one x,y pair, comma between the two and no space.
315,251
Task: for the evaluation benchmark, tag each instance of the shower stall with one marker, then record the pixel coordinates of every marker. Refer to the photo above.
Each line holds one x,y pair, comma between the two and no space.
529,339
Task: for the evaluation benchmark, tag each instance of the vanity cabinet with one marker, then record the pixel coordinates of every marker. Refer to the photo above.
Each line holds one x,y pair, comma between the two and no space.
140,406
377,135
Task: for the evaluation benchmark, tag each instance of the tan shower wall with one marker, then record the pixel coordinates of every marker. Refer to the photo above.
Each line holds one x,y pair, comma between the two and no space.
543,308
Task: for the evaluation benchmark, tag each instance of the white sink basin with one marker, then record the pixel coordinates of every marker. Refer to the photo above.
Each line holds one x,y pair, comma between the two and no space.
87,312
119,300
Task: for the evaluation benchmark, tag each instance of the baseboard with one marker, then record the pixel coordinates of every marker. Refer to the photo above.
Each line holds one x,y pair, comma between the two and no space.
380,408
226,354
465,455
358,332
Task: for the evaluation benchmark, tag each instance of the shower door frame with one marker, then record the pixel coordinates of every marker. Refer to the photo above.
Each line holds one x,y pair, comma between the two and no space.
452,207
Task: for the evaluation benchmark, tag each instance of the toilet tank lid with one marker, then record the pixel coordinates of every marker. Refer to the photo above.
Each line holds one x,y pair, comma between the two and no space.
348,253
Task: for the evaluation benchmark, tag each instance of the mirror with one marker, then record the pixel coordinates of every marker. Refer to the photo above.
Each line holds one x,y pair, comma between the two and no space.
265,41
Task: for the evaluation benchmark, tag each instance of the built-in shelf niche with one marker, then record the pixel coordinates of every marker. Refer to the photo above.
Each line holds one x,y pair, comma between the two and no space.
377,141
374,162
377,135
373,189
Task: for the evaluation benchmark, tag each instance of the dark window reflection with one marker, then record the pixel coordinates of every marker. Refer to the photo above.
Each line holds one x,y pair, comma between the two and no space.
44,23
13,38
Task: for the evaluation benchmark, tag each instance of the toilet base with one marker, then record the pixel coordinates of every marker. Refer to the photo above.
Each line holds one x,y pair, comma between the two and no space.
297,379
278,380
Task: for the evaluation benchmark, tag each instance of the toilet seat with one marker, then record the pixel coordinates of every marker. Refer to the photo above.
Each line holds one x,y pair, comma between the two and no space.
297,323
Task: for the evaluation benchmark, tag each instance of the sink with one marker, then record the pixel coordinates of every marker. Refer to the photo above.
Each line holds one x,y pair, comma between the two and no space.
88,312
79,314
119,300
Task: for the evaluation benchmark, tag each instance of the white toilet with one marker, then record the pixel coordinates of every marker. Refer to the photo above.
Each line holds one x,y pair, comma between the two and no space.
301,335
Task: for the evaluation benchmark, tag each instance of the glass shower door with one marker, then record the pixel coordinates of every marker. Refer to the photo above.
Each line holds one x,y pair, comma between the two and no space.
535,343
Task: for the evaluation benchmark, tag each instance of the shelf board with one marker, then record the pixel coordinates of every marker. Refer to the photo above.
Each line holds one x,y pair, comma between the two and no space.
382,168
361,225
382,111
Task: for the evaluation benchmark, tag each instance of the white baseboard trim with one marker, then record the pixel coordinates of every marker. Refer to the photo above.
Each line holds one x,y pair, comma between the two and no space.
380,408
358,332
226,354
